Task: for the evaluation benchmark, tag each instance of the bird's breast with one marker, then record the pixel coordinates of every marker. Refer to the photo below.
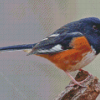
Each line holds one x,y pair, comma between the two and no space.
73,60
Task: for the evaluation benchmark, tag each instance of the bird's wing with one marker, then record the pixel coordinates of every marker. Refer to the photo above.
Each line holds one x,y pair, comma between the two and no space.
55,43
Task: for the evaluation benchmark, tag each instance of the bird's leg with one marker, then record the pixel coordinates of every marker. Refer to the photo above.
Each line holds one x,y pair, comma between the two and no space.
75,82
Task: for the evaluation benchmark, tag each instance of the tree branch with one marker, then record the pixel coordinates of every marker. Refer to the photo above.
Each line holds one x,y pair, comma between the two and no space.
90,92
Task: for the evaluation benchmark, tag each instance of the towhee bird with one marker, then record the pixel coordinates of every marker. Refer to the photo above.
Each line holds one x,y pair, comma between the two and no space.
70,48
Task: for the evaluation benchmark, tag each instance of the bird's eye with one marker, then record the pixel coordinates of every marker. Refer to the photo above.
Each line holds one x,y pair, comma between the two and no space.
95,27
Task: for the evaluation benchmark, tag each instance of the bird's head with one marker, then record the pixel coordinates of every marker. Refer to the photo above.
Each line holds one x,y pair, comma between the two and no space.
90,27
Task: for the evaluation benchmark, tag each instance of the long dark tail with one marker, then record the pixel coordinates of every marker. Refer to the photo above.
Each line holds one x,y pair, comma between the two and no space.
24,47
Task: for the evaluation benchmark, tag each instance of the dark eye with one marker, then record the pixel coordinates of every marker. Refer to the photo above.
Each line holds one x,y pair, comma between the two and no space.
95,27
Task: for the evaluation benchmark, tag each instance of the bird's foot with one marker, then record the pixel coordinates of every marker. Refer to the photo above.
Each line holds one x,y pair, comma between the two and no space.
76,82
85,79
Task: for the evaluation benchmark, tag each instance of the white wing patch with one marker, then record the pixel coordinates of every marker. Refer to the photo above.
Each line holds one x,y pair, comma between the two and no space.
45,39
58,47
54,35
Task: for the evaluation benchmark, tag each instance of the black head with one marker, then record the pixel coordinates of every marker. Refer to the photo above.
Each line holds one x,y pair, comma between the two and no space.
90,24
90,27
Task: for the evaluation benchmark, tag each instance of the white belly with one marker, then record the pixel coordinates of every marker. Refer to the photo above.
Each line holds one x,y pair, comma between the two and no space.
88,57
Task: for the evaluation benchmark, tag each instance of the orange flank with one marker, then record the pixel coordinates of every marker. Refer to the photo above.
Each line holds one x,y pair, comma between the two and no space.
68,60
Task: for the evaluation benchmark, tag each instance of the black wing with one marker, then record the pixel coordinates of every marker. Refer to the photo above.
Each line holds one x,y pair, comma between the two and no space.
55,43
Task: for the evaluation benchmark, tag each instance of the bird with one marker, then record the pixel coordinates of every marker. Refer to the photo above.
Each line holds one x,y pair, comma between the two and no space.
70,48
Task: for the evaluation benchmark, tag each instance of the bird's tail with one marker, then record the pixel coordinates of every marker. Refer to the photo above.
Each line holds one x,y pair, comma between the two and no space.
25,47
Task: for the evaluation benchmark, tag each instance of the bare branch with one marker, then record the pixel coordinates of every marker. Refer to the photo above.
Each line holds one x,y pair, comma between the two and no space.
90,92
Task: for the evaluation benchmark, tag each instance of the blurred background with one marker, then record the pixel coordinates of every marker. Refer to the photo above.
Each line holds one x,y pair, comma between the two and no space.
28,21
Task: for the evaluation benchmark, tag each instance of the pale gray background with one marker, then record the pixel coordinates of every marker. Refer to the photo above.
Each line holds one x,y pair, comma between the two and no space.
27,21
